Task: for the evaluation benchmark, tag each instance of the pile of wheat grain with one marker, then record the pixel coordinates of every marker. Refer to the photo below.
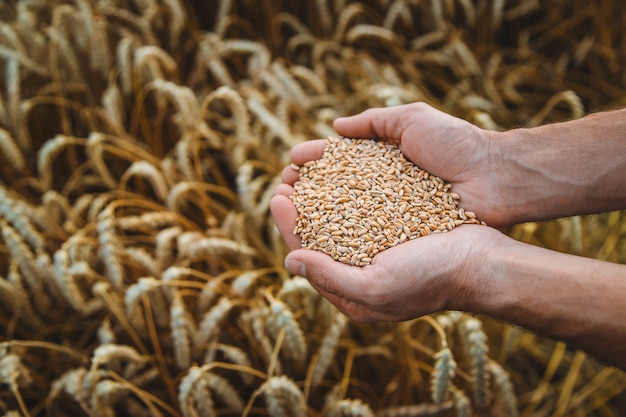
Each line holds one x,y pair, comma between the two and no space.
362,197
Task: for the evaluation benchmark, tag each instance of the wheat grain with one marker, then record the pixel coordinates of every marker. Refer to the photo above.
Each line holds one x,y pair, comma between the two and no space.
363,197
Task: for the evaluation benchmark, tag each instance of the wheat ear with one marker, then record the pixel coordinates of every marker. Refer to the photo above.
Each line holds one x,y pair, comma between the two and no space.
281,318
327,349
283,397
417,410
502,383
475,344
111,249
348,408
182,327
11,151
165,246
133,297
209,327
462,404
26,262
193,395
151,173
441,379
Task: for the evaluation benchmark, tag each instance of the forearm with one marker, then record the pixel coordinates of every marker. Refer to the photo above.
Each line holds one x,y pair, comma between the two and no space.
575,299
564,169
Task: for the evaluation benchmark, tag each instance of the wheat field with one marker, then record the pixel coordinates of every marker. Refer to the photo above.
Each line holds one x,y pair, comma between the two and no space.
141,273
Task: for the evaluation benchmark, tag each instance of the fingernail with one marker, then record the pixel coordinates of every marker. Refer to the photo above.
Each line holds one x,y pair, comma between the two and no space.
295,267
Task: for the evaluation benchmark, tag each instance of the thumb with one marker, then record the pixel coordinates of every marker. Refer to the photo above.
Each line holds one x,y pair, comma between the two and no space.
343,285
387,123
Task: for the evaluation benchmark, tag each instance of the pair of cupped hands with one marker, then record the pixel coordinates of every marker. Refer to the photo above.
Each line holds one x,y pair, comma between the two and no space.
424,275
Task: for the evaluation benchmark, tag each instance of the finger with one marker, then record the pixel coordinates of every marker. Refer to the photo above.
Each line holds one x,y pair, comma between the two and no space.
285,216
283,189
387,123
290,174
307,151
